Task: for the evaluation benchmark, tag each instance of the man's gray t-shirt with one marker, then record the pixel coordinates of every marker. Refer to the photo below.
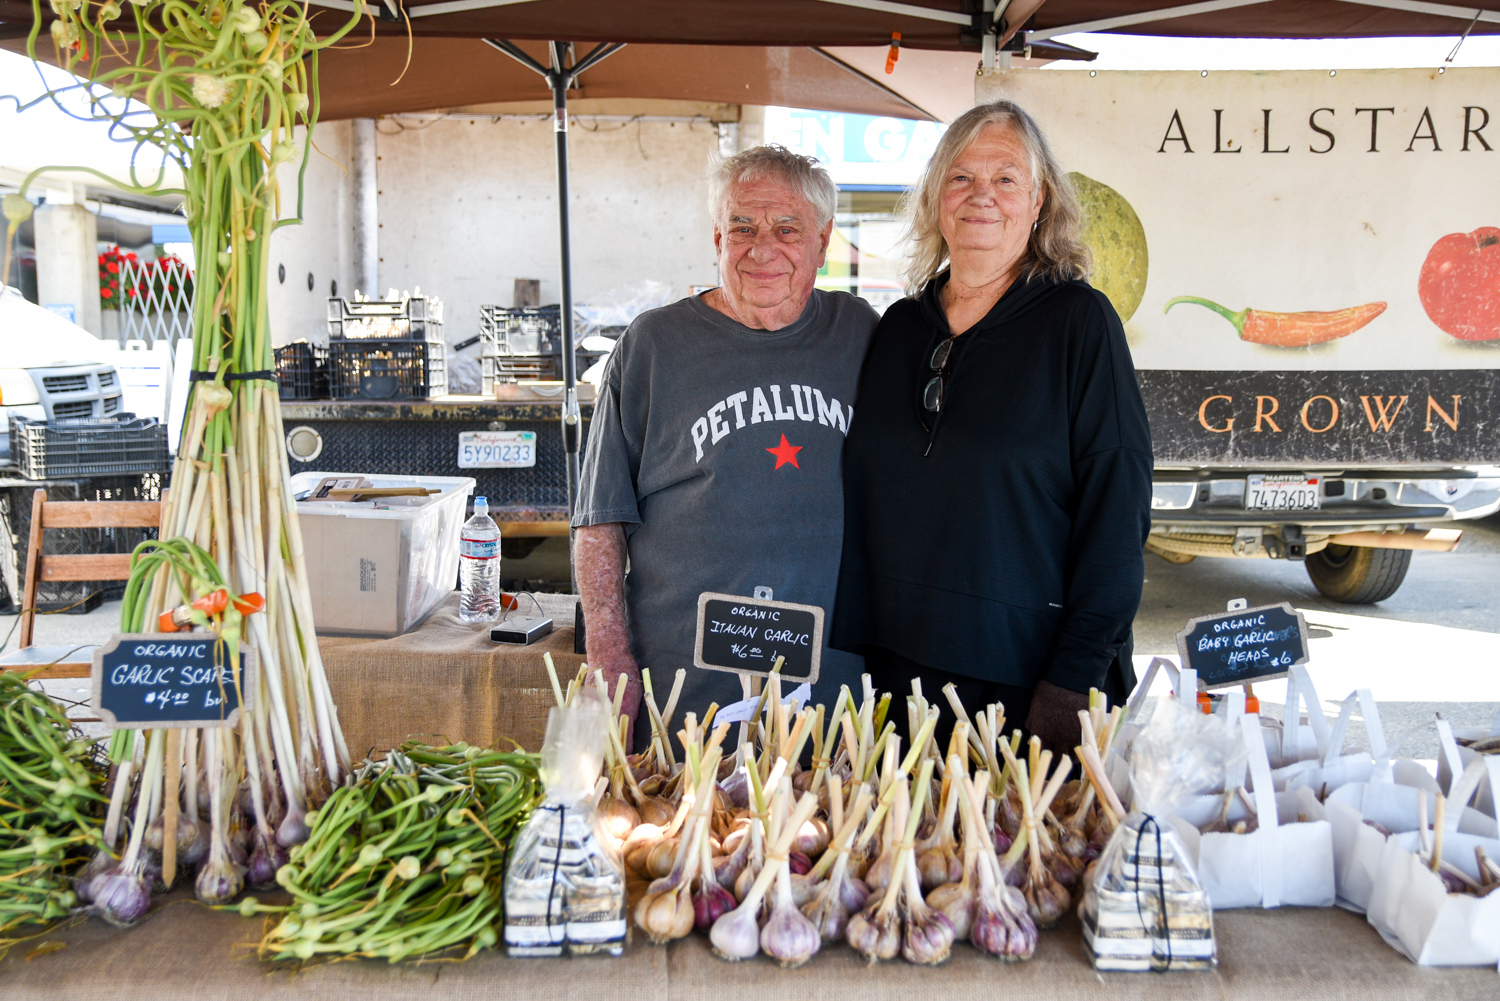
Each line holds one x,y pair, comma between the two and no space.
719,448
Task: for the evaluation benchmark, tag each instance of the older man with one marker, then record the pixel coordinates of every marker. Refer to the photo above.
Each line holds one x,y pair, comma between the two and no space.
713,458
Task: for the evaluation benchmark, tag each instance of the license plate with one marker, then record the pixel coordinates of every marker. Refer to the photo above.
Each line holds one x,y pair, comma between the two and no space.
1284,493
496,449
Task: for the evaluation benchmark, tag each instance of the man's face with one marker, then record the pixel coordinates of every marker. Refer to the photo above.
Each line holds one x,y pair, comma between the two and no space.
770,248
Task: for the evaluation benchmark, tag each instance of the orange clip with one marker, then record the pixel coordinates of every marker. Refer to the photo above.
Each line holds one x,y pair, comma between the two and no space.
1252,704
894,54
213,603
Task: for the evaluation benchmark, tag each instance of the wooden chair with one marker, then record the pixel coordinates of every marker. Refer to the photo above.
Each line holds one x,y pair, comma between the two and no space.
65,661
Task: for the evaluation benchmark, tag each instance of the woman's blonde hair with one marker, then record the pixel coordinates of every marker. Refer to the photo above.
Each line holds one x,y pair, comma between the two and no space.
1054,249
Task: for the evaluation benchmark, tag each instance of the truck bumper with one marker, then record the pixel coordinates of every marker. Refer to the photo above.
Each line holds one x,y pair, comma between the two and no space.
1202,511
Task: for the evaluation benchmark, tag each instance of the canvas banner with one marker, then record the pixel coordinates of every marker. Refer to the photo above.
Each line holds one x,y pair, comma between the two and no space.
1337,235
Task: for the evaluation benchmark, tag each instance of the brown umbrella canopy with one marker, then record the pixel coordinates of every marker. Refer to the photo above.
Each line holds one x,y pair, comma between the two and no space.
457,72
923,24
931,24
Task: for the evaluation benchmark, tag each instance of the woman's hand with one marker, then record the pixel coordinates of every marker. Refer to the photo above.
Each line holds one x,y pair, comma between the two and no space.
1054,717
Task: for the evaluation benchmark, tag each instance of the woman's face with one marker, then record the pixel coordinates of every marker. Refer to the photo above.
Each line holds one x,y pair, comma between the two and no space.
989,199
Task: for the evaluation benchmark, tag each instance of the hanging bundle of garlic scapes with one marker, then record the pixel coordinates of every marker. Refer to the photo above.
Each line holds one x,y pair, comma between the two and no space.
894,852
225,83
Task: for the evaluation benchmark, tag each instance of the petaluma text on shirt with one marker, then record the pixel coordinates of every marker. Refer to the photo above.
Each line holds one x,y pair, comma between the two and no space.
806,403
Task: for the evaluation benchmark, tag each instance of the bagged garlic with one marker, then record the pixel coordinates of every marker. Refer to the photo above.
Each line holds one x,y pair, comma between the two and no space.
1143,907
565,887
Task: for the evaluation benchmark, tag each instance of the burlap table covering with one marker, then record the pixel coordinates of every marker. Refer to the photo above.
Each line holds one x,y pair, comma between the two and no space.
184,950
446,678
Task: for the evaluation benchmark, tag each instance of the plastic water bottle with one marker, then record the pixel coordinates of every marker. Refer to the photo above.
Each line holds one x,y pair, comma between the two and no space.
479,566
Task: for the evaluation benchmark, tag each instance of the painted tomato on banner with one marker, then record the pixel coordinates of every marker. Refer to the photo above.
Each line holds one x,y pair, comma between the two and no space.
1460,284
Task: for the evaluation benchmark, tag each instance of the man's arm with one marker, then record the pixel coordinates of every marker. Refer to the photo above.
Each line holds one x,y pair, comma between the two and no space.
599,562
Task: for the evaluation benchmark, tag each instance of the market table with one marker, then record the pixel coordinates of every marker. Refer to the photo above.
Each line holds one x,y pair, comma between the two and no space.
448,678
184,950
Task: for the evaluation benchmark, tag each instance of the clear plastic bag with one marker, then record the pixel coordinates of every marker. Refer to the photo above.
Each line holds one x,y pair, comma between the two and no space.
565,887
611,312
1143,907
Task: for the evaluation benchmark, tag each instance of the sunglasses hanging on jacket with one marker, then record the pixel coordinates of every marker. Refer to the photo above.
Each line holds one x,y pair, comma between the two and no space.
935,391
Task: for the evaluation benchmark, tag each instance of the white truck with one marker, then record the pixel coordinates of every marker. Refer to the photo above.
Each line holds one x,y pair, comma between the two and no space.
48,369
1308,267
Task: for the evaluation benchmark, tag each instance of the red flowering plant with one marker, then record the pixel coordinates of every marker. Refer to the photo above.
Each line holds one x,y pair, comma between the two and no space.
112,277
162,285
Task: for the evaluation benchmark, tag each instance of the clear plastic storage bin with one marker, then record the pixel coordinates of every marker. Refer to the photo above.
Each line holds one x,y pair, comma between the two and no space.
378,568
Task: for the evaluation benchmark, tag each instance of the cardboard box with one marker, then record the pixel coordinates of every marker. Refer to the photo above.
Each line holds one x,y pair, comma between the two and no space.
378,568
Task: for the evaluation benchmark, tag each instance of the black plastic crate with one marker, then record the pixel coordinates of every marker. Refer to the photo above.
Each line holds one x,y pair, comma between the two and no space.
302,371
386,370
109,446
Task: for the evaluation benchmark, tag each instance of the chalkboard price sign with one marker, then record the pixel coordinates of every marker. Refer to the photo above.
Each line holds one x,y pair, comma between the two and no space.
1249,644
164,680
746,635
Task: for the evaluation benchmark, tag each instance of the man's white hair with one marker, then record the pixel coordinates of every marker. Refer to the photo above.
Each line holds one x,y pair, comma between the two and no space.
801,173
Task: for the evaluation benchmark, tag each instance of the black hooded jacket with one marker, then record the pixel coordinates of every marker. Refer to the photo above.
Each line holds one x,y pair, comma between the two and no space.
1011,551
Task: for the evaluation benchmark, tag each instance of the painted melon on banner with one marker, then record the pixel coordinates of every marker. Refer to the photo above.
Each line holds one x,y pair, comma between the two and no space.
1114,233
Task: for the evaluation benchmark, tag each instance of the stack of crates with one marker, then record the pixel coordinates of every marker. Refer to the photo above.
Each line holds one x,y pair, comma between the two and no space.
386,349
527,341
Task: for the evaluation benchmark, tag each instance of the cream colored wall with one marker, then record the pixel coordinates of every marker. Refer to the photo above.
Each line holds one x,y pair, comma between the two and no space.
467,205
323,245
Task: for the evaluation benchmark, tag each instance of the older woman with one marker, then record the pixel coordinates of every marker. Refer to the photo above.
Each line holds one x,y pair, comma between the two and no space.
997,478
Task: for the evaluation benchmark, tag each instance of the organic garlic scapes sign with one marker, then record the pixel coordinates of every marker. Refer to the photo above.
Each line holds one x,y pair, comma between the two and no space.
1307,263
157,680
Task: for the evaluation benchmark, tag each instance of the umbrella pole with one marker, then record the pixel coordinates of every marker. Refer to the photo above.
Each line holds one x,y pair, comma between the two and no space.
559,80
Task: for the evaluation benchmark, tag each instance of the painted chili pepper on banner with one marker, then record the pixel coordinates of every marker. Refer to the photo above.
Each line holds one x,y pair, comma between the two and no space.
1290,330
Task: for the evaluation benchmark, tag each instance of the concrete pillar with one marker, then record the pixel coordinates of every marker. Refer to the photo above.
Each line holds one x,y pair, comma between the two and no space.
67,260
366,207
752,126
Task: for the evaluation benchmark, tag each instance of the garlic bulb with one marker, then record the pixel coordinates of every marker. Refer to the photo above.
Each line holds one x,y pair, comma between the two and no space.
874,932
666,911
618,817
655,811
710,902
812,839
121,895
928,937
265,859
957,901
102,861
788,936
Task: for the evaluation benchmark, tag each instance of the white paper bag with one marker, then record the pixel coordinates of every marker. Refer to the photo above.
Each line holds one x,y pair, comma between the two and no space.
1298,742
1393,800
1335,768
1286,861
1455,759
1417,916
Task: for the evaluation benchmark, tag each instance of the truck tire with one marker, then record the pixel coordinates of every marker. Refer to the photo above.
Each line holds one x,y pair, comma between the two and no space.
1358,575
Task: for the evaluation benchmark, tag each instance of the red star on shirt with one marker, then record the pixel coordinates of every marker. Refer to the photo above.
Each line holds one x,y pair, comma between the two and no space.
785,453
